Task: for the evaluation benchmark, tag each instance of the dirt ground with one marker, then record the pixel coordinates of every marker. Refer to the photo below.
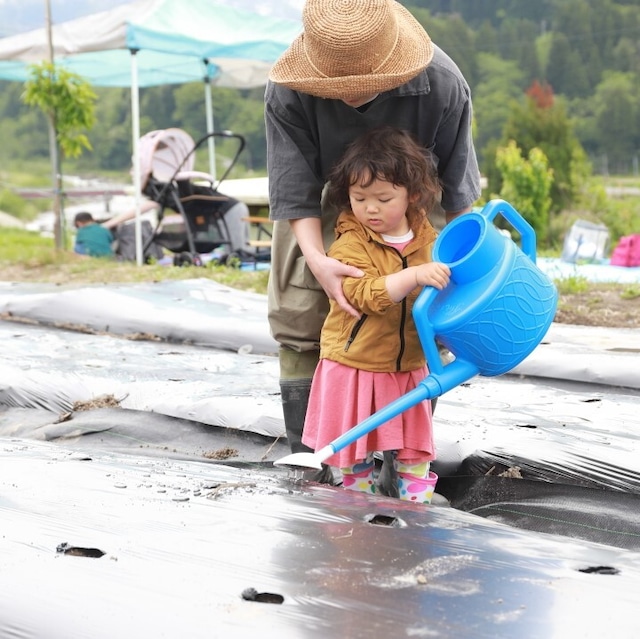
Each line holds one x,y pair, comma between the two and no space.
602,305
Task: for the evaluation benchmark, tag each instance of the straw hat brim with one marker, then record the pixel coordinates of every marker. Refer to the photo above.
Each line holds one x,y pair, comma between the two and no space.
413,51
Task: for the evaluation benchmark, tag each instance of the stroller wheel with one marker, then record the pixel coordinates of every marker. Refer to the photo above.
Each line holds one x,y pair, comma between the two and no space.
233,260
184,259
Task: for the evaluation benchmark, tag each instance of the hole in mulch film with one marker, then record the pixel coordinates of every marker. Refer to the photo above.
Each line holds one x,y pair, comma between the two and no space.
251,594
77,551
385,520
600,570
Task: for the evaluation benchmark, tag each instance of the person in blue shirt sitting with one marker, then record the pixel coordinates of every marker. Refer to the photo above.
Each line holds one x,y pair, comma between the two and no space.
92,239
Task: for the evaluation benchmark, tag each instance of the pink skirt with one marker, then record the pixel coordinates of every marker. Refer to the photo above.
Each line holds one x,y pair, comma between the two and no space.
342,397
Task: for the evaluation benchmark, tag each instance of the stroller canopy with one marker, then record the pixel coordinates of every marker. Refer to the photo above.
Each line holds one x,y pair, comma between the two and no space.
163,153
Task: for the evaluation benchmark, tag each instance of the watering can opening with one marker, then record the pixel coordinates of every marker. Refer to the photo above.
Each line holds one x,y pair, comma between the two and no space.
453,248
471,246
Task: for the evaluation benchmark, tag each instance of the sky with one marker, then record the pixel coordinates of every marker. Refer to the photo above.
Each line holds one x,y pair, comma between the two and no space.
17,16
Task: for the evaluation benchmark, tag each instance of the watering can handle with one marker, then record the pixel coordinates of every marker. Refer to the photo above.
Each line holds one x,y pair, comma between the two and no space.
528,235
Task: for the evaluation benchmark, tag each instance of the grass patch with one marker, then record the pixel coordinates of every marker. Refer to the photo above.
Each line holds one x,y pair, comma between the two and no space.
574,284
632,292
26,246
27,256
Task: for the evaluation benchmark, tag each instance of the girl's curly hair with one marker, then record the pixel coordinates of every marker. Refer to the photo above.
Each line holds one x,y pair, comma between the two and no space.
389,154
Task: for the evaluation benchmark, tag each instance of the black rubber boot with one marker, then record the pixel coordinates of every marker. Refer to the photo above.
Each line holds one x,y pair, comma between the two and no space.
295,398
387,481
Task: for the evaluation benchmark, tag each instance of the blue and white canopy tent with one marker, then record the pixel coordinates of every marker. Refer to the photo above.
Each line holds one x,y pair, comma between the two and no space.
155,42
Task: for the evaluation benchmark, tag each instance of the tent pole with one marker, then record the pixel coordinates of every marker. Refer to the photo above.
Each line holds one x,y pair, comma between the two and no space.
208,101
135,126
59,226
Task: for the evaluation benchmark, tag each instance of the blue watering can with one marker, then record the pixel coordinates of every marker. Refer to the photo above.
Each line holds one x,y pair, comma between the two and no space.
495,311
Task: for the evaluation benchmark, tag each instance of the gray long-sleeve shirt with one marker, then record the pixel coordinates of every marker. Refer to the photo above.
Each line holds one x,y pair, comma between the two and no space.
307,135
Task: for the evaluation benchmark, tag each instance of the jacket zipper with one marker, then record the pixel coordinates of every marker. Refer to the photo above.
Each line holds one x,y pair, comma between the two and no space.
403,320
354,332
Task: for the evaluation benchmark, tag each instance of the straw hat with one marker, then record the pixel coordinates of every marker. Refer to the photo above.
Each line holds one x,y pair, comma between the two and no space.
353,48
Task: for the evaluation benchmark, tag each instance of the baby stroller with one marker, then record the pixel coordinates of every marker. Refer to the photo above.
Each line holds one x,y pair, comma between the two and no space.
196,225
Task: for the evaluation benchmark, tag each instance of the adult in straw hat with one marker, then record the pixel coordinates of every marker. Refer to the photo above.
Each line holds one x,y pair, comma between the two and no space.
358,64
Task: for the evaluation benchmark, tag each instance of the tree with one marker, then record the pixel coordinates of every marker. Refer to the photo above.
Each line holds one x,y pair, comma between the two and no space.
500,83
616,118
526,184
68,102
541,94
536,123
566,69
457,38
516,41
112,140
487,39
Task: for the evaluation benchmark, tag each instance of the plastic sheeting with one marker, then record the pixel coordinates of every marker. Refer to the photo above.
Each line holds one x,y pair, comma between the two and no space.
106,546
205,313
582,512
182,401
200,533
565,407
198,312
588,354
48,369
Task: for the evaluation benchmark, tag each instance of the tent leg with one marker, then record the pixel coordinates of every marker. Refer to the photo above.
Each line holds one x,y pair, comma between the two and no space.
137,178
208,101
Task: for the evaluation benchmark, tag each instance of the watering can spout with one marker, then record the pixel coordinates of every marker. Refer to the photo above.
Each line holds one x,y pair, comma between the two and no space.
452,375
430,387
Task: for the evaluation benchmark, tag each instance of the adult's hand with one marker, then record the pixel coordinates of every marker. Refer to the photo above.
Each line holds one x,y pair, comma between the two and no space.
328,271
